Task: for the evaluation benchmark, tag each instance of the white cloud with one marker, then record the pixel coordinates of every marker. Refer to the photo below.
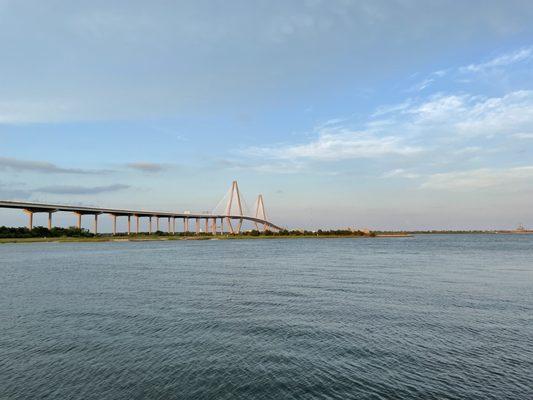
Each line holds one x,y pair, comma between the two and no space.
339,144
401,173
509,114
479,178
439,107
444,118
504,60
468,150
522,135
466,115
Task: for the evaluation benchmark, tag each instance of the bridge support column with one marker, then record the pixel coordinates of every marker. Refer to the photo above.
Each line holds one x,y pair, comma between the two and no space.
137,224
96,224
157,224
78,224
114,218
129,224
50,221
185,225
206,230
30,219
239,226
168,225
214,226
150,225
221,226
197,226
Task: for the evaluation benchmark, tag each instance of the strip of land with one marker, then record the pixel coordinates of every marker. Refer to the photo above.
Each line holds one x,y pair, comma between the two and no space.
142,238
72,234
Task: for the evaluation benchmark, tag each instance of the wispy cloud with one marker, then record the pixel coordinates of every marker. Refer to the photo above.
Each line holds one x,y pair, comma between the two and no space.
274,167
392,108
465,114
467,74
504,60
15,164
418,87
338,144
401,173
509,114
87,190
479,178
522,135
30,111
145,166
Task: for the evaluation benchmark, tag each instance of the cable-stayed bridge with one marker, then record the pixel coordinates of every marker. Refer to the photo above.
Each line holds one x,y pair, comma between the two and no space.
233,215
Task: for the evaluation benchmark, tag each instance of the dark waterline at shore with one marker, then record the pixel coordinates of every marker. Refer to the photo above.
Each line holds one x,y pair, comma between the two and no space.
437,316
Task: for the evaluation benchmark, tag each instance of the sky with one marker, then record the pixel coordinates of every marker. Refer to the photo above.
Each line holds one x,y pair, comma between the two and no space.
399,114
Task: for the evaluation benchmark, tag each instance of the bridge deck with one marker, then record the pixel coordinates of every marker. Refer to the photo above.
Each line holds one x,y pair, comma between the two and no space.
43,207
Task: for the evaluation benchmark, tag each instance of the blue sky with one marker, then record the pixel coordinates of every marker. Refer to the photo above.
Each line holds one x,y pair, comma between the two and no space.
379,114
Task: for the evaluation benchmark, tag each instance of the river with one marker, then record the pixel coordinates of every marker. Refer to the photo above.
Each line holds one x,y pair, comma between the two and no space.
427,317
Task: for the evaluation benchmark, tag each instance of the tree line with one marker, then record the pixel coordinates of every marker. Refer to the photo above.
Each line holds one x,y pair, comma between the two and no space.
41,231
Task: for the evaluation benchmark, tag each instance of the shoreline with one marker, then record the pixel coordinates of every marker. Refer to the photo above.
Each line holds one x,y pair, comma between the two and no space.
154,238
102,239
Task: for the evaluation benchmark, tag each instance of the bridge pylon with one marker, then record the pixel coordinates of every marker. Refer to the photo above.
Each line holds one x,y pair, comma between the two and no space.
234,193
260,211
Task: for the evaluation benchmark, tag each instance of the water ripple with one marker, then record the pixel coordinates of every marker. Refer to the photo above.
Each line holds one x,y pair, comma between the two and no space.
436,317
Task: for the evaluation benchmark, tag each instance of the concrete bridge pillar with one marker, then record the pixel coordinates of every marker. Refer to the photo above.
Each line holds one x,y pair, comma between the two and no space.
197,226
168,225
30,218
157,224
129,224
96,224
50,221
78,224
114,218
206,230
150,225
137,224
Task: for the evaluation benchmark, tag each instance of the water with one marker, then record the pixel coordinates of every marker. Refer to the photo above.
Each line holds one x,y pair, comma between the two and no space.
431,317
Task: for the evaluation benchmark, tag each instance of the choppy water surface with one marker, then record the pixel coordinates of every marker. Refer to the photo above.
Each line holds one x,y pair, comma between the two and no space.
447,317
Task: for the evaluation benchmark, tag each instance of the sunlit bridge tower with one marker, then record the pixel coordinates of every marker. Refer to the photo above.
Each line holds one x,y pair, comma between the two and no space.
234,195
260,212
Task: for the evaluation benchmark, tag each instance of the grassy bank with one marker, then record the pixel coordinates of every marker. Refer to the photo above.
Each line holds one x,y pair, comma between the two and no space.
142,238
